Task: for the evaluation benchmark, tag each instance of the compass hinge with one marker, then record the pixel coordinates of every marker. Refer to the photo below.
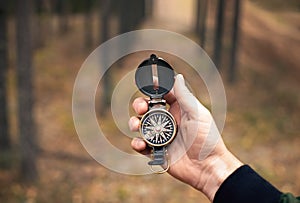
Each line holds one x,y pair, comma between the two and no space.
159,103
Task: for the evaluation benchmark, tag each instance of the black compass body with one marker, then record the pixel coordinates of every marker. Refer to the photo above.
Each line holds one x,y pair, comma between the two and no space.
155,78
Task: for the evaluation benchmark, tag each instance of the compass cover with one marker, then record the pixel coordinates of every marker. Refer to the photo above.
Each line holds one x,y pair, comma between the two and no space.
154,77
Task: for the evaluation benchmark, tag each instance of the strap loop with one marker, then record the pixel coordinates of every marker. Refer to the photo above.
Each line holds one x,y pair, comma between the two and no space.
160,156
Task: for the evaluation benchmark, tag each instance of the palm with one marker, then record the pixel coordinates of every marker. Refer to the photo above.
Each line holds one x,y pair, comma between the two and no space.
193,129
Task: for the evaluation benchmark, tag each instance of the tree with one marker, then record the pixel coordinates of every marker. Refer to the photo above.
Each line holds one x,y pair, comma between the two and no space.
63,9
27,130
132,12
125,16
200,28
198,16
4,134
88,37
219,32
104,31
235,38
105,6
41,24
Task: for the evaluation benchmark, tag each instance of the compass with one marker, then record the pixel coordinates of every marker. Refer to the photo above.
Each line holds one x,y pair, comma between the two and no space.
158,127
155,78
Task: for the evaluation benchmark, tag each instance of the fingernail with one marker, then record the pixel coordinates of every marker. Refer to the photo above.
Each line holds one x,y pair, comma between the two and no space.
140,108
138,143
180,78
135,143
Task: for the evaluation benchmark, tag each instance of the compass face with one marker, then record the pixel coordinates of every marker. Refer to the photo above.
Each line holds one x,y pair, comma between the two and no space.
158,127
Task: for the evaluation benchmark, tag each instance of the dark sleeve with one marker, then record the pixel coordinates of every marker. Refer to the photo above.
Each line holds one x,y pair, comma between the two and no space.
246,186
289,198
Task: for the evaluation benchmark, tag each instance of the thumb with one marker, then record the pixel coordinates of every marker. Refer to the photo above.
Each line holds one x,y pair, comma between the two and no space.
187,101
185,98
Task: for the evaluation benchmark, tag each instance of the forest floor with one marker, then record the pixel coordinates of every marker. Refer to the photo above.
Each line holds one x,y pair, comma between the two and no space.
262,125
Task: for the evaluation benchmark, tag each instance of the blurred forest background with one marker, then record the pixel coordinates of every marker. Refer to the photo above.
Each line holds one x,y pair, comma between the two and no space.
254,43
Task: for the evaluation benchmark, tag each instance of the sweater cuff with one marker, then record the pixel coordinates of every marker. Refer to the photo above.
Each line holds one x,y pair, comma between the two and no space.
245,185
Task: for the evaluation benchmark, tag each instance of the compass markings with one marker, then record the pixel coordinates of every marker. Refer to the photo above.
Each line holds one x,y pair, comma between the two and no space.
158,128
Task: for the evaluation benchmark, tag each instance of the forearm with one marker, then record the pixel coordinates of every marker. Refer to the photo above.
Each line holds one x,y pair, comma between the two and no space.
214,171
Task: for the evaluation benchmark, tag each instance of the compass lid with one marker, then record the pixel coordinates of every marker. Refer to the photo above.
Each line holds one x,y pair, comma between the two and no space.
154,77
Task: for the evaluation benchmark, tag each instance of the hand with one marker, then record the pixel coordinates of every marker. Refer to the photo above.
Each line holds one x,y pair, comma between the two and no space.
198,154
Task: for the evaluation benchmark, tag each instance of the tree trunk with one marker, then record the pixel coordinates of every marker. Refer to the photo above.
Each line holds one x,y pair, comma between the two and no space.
219,32
235,38
28,144
106,79
4,132
125,16
198,16
200,27
132,12
40,25
104,18
88,22
139,9
148,8
63,12
204,5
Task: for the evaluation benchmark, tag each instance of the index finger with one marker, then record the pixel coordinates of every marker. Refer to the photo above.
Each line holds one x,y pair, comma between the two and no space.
140,105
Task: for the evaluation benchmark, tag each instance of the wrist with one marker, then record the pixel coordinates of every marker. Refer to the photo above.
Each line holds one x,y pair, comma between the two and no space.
213,172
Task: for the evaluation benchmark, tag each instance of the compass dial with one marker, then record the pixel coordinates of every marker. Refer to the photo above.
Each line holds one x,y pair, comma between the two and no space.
158,127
